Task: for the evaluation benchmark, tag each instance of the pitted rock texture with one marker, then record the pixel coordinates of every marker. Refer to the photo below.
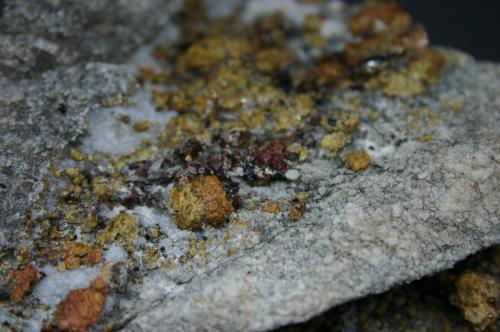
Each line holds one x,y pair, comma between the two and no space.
425,207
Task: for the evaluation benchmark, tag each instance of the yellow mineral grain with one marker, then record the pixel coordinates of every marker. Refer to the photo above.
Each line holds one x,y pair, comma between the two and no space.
232,251
104,187
75,254
72,172
253,119
334,142
181,128
426,138
176,101
286,117
148,74
385,29
340,121
76,154
300,150
207,52
122,228
141,126
273,59
412,80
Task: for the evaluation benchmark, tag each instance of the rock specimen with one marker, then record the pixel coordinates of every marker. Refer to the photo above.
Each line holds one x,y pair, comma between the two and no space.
231,108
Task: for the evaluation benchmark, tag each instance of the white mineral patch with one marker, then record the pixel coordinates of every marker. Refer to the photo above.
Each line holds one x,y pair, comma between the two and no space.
110,303
294,11
155,285
377,146
322,190
333,28
115,253
292,174
54,287
109,134
334,25
217,8
142,56
110,214
36,321
279,191
149,217
34,324
174,233
374,150
6,316
335,7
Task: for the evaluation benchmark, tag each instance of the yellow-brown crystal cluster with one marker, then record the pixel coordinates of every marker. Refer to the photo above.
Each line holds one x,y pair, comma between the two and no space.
199,200
477,295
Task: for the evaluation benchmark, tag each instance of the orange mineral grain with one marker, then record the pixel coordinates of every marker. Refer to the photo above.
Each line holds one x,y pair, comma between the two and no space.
80,309
22,280
357,160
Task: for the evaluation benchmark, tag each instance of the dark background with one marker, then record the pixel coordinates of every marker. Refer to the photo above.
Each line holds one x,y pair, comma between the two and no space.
471,26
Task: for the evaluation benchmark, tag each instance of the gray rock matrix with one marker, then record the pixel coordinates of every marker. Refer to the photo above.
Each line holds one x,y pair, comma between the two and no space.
58,59
417,211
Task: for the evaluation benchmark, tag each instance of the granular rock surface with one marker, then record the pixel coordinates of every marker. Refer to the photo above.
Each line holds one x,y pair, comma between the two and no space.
318,154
